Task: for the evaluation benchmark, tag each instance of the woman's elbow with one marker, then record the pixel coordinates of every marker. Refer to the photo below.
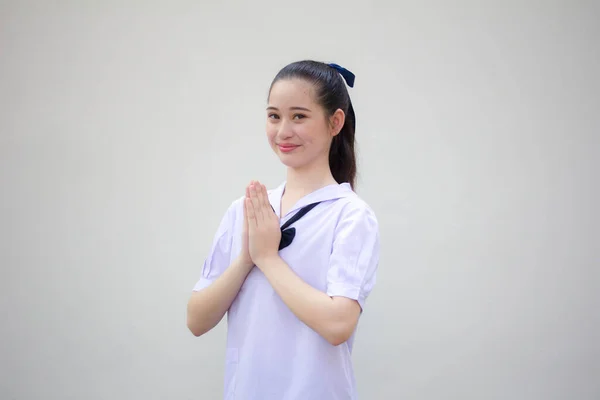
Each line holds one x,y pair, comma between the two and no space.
339,333
342,324
195,328
198,326
337,340
197,321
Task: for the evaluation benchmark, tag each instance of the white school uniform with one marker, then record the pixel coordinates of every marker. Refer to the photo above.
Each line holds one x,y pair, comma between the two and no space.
271,354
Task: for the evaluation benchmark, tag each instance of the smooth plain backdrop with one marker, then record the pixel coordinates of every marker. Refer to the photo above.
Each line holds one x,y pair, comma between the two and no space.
126,129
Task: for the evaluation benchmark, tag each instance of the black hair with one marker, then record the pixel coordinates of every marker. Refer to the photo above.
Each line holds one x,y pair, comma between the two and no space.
331,94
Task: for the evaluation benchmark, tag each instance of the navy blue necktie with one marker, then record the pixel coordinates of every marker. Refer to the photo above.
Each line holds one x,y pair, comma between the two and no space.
288,234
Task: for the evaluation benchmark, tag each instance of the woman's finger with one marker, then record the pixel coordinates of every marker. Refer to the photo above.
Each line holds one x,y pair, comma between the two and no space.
268,209
256,209
250,215
245,209
247,193
262,202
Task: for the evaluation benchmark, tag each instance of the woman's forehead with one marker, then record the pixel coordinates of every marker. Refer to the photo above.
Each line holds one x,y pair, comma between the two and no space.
291,90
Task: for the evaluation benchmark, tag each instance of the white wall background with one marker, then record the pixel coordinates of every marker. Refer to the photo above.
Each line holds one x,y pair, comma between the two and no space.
127,129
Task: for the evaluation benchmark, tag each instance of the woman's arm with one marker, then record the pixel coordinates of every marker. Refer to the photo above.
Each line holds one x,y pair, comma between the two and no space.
335,319
208,306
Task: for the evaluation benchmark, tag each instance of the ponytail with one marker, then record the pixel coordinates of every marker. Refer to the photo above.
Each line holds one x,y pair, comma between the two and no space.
342,157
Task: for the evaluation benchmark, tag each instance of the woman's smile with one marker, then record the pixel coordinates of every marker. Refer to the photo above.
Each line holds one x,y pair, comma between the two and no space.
287,147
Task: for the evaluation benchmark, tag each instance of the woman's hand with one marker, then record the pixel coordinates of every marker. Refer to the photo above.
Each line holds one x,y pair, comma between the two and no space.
244,256
264,232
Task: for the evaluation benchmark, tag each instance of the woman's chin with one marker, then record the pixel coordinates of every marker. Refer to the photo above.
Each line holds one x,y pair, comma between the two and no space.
290,161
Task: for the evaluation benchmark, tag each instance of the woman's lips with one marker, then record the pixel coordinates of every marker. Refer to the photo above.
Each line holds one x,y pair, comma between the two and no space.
286,148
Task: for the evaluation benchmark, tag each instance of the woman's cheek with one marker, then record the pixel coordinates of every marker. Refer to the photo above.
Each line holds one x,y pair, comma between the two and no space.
270,136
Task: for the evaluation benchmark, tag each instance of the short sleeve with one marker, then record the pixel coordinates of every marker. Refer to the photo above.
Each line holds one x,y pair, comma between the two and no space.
219,255
355,255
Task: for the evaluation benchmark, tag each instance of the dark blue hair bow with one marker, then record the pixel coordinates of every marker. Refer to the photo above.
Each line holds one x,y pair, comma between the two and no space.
347,75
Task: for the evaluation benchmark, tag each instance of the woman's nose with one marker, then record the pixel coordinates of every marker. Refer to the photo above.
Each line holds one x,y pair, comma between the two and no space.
285,130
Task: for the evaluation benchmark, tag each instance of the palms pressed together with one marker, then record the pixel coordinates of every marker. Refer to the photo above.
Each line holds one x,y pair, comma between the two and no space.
261,233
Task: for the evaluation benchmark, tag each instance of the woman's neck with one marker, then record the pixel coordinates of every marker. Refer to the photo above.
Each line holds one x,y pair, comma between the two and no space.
299,183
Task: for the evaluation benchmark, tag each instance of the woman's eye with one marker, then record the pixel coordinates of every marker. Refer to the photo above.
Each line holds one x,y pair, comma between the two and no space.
299,116
273,116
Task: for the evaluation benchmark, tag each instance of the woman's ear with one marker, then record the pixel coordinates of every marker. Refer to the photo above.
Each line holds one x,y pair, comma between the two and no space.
337,121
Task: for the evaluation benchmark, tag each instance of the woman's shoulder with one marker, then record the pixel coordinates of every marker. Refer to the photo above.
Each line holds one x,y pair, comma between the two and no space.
355,207
234,210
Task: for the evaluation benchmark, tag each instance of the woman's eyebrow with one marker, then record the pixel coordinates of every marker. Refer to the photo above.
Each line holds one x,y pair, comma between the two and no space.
291,108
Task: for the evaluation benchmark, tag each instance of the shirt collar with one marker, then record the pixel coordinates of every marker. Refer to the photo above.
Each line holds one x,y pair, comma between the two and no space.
330,192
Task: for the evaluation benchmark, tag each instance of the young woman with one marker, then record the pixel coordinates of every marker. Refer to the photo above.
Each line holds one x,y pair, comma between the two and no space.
292,267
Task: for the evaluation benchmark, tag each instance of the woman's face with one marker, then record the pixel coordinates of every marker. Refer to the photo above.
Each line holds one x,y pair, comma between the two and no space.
298,130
